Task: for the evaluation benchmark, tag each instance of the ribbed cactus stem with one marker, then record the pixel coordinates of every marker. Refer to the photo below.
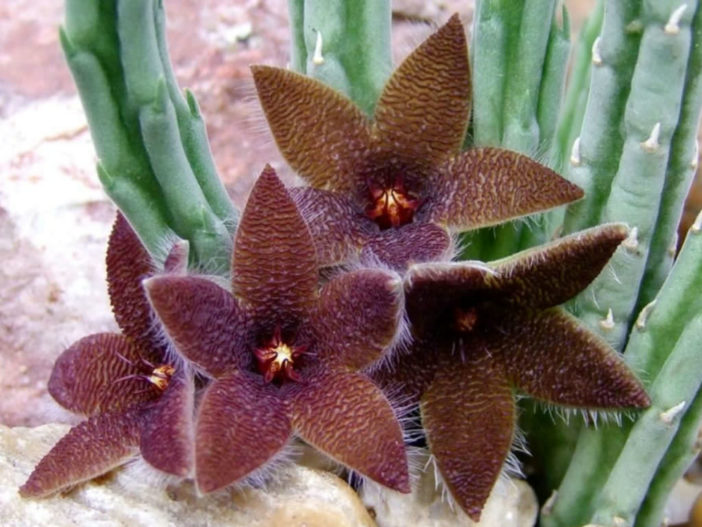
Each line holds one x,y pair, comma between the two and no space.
553,82
525,74
652,110
344,43
519,57
154,156
672,392
682,451
613,56
682,165
567,143
665,344
651,115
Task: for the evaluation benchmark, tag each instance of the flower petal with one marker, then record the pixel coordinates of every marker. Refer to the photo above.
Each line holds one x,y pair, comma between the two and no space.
468,414
274,272
321,133
347,417
204,321
88,450
423,111
128,263
336,225
242,424
549,275
486,186
554,358
410,372
100,373
413,243
167,441
358,316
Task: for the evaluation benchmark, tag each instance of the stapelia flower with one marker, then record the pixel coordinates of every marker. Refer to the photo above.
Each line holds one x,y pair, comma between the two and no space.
135,396
283,354
483,330
391,187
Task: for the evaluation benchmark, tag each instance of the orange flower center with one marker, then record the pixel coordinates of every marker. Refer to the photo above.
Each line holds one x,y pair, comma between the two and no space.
161,376
391,206
276,359
465,319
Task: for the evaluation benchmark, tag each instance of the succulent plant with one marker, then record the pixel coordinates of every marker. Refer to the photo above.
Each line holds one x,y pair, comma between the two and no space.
283,355
136,395
286,353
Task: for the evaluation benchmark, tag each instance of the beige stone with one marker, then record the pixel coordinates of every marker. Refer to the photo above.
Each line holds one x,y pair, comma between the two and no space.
512,503
132,496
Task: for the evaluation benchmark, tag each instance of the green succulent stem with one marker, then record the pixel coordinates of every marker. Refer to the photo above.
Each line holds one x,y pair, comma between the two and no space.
572,112
519,52
344,43
155,161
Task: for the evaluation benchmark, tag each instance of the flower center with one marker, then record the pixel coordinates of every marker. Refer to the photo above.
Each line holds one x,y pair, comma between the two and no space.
161,376
465,319
276,359
391,206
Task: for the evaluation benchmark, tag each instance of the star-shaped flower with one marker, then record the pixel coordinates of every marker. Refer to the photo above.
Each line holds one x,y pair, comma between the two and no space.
136,397
391,187
484,330
283,354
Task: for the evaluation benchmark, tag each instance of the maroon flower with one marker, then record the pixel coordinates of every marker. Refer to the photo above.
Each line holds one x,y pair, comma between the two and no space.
136,397
391,188
283,354
483,330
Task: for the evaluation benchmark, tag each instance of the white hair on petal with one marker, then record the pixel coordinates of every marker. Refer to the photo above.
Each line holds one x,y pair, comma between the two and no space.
267,474
139,469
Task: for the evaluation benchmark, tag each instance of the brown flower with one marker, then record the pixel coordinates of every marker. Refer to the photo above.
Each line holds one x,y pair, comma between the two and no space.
392,187
284,355
483,330
136,397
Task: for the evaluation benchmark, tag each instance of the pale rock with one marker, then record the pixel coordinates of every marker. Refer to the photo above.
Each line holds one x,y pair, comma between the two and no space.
133,496
54,222
512,503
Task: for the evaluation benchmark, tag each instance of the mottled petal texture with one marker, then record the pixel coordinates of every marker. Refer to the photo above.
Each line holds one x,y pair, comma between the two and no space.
346,416
204,321
88,450
320,133
547,276
357,317
336,224
167,428
274,272
552,357
412,243
468,414
128,263
241,425
486,186
423,111
99,374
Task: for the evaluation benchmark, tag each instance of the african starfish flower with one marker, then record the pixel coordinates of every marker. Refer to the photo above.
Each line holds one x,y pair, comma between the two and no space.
391,188
136,397
284,355
484,330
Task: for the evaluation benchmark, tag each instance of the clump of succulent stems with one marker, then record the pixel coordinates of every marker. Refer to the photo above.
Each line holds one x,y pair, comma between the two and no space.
397,166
